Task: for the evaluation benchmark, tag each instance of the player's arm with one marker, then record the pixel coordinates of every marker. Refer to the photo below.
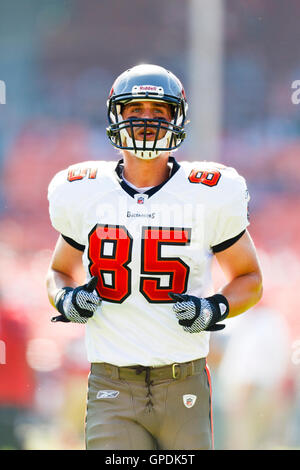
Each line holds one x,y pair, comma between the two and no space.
65,276
65,269
241,267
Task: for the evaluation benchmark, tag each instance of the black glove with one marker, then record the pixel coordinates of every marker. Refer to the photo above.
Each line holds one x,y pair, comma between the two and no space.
77,305
200,314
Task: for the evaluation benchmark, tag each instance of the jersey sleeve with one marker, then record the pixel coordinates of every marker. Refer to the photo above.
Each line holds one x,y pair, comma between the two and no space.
232,216
63,206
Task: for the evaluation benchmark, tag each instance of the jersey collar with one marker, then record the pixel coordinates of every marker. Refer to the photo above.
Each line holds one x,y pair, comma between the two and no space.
131,191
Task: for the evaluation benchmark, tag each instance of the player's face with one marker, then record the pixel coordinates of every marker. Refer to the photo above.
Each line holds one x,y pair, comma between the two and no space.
147,110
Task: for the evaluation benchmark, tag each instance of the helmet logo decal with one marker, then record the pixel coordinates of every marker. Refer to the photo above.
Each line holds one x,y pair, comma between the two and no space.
142,89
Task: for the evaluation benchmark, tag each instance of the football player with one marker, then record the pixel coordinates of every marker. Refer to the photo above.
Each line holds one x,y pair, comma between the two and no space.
133,263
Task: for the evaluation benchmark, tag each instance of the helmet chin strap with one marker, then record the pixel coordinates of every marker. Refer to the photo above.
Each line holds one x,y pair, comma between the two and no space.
145,155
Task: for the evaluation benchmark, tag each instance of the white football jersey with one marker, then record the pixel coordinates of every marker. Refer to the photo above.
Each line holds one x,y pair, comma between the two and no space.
142,246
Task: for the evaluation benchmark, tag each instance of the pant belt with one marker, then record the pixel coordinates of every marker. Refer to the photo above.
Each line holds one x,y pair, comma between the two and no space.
138,372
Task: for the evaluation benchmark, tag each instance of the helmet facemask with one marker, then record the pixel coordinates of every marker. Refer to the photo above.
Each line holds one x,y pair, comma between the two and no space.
121,131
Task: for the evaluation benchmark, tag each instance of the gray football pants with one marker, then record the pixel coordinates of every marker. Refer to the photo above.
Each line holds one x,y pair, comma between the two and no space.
145,408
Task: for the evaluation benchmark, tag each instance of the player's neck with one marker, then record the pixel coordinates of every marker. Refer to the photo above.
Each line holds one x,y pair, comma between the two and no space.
142,173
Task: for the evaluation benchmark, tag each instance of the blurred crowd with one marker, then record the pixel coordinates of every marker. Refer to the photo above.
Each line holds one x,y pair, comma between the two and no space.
61,75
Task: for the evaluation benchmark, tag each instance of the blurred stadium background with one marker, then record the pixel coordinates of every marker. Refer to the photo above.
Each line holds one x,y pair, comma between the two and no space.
238,60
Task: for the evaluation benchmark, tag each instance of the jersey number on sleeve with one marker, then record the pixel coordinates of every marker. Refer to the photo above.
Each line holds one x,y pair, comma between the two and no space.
110,252
208,178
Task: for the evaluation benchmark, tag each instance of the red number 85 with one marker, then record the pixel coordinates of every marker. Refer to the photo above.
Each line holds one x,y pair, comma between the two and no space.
110,252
